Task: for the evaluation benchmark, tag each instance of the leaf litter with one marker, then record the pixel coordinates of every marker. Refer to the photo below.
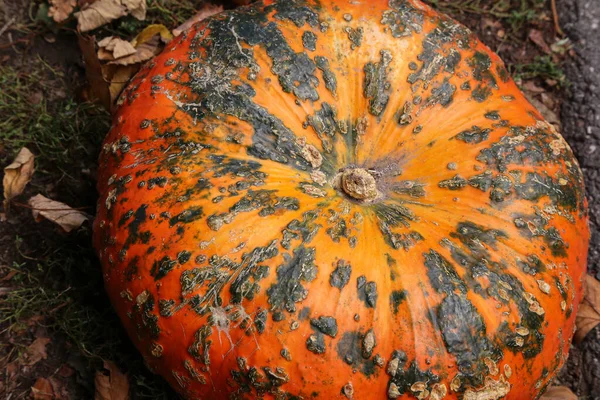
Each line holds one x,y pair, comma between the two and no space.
59,213
101,12
588,316
111,384
17,175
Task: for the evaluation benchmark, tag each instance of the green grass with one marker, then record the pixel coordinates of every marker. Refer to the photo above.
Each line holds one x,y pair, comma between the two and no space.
542,67
56,277
515,14
64,134
60,284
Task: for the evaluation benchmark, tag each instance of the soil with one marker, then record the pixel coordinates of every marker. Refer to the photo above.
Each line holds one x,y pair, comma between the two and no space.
72,361
580,116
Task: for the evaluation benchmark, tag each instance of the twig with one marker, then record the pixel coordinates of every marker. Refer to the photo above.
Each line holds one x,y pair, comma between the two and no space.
555,16
11,43
7,25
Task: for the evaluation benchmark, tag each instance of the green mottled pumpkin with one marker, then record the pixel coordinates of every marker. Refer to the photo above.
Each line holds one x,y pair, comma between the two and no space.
340,199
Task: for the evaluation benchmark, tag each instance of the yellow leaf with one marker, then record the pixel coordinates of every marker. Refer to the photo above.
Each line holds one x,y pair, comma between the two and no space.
149,32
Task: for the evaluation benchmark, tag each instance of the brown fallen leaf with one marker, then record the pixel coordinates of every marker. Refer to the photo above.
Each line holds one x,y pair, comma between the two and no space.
538,38
137,8
530,86
206,11
59,213
60,391
114,386
98,86
112,47
8,276
119,79
42,390
108,79
143,52
146,44
546,112
101,12
588,315
66,371
36,351
558,393
60,10
490,23
18,174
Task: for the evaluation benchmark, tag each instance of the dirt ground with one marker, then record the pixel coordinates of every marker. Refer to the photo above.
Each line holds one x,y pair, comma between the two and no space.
56,323
581,127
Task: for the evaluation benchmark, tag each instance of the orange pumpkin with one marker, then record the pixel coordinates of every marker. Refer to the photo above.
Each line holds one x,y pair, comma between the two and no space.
340,199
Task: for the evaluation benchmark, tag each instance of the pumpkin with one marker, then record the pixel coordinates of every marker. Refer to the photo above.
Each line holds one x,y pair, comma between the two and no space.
340,199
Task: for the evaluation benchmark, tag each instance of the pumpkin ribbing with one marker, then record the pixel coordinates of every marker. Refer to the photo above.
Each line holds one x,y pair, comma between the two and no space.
308,199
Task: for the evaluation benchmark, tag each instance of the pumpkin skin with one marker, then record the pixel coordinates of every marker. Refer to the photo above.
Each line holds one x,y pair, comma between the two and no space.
340,199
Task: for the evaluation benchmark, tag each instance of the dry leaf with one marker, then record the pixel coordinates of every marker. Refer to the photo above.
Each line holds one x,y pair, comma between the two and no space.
143,52
60,390
18,174
98,85
561,46
124,60
137,8
149,32
99,13
142,48
60,10
65,371
588,315
113,386
112,47
59,213
36,351
490,23
205,12
558,393
547,113
538,38
530,86
42,390
120,78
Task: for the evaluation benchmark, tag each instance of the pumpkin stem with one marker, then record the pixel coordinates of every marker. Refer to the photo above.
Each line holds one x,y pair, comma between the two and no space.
359,184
